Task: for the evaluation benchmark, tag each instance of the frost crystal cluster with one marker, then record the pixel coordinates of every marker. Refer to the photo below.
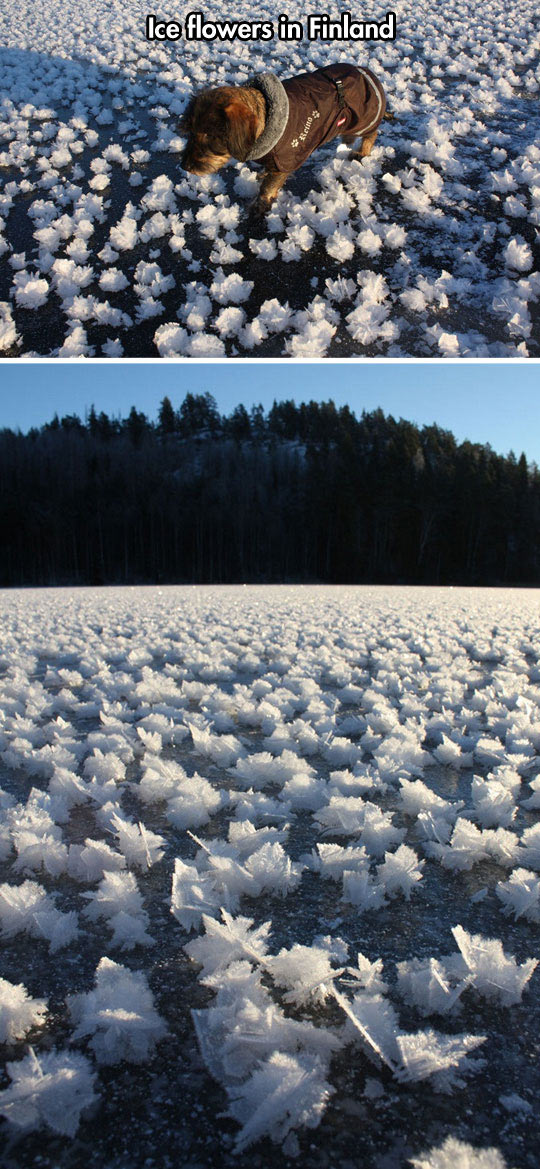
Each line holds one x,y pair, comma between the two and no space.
267,852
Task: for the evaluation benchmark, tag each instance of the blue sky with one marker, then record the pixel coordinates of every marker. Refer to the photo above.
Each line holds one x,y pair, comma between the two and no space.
497,403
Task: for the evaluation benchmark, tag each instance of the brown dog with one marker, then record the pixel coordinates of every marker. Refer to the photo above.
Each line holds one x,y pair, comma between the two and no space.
281,123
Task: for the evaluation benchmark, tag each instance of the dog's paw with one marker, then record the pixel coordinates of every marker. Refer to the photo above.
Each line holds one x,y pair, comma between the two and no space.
259,208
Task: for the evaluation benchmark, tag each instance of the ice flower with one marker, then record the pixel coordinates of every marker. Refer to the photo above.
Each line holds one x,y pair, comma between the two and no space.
493,974
119,1014
50,1090
119,902
226,941
304,971
284,1093
520,895
19,1012
400,871
454,1154
518,255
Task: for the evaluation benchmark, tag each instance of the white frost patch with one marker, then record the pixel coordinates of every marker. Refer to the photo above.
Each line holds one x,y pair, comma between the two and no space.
284,1093
19,1012
170,340
493,973
31,290
29,909
119,902
454,1154
520,895
230,289
518,255
50,1090
8,332
119,1014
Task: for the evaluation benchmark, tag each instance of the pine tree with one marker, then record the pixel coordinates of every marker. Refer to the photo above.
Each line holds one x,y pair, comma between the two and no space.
166,418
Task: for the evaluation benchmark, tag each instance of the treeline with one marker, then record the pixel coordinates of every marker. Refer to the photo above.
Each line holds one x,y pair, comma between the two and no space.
301,493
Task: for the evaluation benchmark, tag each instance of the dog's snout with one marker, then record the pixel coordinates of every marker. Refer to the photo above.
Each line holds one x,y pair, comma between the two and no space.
198,160
193,165
189,160
185,160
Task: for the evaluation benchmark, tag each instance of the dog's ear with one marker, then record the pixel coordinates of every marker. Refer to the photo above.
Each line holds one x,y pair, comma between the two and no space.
241,129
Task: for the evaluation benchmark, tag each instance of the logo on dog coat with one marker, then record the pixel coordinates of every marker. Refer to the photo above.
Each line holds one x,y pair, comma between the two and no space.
302,137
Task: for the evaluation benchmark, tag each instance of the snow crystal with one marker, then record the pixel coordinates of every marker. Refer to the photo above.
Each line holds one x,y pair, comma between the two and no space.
113,280
416,797
119,1014
229,321
193,894
493,803
429,986
451,754
529,851
466,847
285,1092
492,972
138,844
8,332
90,861
332,860
400,871
194,802
119,901
230,289
170,340
454,1154
225,942
52,1090
273,870
360,890
264,249
28,908
368,974
31,290
304,971
245,1025
124,234
412,1057
19,1013
375,1026
518,255
520,895
430,1054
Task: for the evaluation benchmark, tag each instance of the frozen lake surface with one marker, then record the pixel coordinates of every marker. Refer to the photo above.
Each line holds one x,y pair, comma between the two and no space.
269,877
426,249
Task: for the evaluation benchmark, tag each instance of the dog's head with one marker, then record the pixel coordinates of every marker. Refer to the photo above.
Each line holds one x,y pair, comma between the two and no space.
220,125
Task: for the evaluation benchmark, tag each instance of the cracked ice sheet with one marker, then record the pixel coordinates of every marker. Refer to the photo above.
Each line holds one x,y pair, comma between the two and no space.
108,248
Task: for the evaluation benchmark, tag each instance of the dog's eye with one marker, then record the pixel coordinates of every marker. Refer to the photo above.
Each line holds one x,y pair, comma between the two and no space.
186,119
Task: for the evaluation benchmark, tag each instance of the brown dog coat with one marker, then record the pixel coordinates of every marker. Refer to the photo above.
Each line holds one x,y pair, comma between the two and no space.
341,99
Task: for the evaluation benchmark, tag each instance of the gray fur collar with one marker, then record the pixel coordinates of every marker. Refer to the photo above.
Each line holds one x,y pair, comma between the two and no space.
277,113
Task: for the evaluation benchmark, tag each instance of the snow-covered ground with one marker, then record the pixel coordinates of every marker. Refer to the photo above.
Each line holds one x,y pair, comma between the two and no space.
270,874
109,248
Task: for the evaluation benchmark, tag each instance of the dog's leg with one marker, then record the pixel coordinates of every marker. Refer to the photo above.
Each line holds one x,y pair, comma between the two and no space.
271,184
366,146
